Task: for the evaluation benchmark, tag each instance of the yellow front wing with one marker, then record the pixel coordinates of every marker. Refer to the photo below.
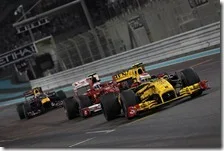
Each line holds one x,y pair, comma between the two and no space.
187,91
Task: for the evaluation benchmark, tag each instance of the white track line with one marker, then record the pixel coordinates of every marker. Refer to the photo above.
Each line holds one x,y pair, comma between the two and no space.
7,140
103,131
82,142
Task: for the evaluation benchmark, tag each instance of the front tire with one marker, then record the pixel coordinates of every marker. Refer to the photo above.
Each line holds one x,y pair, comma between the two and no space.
26,110
61,95
128,98
190,77
110,106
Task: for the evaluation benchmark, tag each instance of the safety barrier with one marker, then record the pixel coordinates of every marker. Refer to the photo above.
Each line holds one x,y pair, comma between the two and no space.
191,41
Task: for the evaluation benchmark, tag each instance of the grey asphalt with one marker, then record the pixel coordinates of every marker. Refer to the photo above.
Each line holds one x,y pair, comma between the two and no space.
189,123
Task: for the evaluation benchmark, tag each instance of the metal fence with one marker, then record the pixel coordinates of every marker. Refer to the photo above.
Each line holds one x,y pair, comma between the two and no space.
83,48
161,19
190,41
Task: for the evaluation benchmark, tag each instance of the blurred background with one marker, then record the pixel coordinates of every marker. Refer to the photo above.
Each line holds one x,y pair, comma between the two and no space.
66,37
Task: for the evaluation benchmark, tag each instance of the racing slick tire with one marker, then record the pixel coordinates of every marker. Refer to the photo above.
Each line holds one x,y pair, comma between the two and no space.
70,108
43,109
83,101
128,98
190,77
26,110
20,112
61,94
110,106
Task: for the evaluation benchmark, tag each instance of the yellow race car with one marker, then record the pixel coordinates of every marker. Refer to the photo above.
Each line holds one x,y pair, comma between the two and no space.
140,92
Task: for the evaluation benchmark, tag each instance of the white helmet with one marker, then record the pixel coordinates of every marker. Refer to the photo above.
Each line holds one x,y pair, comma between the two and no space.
144,77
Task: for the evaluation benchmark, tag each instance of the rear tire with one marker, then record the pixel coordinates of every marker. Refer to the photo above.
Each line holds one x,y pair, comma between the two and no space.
61,94
190,77
110,106
26,110
71,108
20,111
128,98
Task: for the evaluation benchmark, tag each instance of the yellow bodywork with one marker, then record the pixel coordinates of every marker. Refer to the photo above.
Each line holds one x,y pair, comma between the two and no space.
37,91
45,100
160,87
190,89
129,73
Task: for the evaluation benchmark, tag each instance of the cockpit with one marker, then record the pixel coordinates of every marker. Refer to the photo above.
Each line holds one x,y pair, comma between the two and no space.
145,77
42,96
97,85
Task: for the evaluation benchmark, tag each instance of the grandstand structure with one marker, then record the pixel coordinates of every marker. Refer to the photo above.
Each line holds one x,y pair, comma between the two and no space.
115,26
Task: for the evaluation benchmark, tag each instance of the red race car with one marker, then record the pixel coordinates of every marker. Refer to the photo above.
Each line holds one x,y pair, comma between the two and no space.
86,99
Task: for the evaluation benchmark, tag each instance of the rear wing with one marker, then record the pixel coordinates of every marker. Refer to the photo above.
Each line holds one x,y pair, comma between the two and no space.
50,93
94,75
131,73
81,83
86,81
34,91
28,93
140,64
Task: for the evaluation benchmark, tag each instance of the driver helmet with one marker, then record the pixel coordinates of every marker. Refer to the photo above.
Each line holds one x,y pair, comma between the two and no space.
97,85
144,77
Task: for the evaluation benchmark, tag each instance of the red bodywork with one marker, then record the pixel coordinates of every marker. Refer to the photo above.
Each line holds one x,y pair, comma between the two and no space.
95,94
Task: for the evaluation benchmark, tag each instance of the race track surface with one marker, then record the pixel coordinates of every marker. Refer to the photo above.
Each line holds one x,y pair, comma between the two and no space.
189,123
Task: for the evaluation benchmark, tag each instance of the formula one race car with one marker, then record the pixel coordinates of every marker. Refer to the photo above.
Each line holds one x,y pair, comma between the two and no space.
141,92
86,99
37,102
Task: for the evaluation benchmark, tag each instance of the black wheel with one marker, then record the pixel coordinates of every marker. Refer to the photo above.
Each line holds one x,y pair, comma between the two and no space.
61,95
83,102
43,109
128,98
26,110
71,108
190,77
20,112
110,106
173,79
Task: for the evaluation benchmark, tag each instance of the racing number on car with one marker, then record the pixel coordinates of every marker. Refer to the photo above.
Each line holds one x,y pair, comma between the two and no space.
123,74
